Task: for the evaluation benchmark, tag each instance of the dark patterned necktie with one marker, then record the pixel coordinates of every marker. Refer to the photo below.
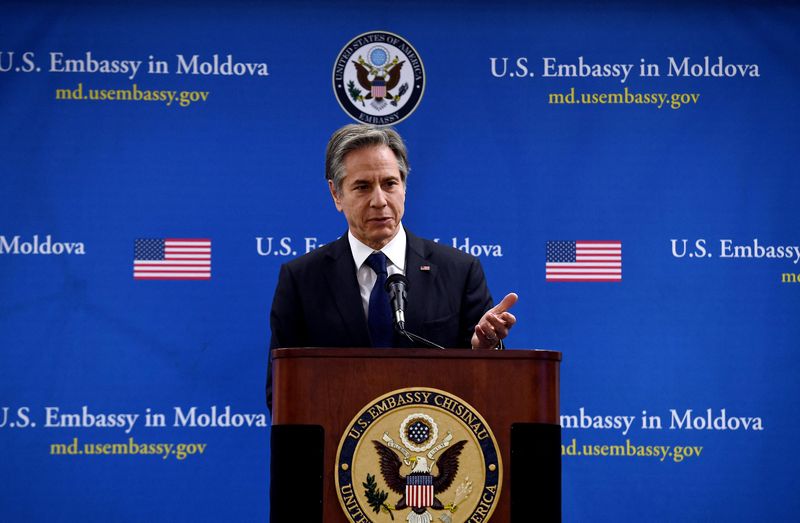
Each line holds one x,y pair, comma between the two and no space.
379,316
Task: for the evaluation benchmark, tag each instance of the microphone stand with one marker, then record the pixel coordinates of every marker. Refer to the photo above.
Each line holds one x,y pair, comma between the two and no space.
396,286
416,339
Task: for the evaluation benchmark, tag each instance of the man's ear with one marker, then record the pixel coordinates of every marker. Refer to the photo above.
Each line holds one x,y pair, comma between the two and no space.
335,197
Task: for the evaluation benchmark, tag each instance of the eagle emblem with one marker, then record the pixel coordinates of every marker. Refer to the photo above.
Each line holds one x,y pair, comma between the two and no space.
379,76
418,455
419,488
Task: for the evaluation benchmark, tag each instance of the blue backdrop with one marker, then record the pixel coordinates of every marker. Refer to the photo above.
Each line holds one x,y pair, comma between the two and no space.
699,187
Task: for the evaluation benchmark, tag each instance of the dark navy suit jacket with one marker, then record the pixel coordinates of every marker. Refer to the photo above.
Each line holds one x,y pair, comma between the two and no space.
317,301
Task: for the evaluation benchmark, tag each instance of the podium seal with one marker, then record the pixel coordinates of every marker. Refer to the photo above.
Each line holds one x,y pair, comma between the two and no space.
418,455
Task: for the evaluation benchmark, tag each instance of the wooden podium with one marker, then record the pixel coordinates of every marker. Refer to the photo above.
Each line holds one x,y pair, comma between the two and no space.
318,391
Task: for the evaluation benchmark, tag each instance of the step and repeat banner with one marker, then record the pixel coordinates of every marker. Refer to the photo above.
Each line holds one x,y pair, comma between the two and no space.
630,171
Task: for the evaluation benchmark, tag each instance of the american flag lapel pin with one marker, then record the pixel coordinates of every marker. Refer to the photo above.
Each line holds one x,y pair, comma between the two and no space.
425,268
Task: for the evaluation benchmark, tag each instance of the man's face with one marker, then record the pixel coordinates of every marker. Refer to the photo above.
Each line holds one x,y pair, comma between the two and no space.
373,196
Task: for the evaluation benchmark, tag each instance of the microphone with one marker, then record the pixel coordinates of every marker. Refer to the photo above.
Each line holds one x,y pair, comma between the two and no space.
396,285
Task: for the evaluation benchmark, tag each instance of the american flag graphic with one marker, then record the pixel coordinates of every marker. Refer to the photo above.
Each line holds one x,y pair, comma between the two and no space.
172,259
584,261
419,490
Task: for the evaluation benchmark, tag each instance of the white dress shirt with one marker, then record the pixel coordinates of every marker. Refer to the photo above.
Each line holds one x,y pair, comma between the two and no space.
395,252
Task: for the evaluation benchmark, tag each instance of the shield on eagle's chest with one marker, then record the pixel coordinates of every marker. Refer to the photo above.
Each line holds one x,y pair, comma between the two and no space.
419,490
378,89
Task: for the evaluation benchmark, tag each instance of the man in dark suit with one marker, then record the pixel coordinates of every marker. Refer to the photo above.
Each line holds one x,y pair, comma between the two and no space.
333,296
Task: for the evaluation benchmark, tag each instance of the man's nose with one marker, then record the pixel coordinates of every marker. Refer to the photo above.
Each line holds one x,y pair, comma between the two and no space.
378,198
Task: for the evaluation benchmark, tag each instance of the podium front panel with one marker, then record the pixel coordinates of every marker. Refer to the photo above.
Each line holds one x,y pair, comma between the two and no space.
328,387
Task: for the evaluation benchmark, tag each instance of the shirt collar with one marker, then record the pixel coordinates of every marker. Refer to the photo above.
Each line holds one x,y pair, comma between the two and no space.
395,250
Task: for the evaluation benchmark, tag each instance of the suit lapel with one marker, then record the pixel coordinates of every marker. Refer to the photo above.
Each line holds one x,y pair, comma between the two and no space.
340,276
421,274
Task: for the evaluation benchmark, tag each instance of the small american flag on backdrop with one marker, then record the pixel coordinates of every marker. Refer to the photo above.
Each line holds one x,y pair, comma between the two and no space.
172,259
584,261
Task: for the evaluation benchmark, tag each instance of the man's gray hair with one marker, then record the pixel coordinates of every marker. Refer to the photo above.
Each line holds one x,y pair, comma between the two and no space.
359,136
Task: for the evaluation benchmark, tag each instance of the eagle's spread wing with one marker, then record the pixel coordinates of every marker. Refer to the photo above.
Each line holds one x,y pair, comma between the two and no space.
363,76
394,76
448,467
390,468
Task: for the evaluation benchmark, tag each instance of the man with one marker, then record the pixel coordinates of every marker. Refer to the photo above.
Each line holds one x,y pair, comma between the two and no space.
329,297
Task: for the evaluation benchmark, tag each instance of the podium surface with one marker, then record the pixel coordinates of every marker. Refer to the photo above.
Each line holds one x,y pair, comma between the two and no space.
328,387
